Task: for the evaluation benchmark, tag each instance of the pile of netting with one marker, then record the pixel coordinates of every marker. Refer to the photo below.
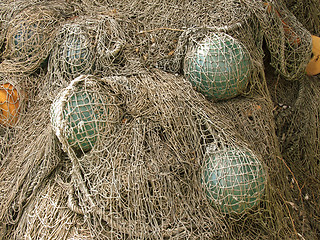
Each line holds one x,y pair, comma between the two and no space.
158,120
29,33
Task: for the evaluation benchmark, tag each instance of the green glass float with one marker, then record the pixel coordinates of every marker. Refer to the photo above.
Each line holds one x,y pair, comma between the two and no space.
218,66
27,39
84,115
76,54
234,179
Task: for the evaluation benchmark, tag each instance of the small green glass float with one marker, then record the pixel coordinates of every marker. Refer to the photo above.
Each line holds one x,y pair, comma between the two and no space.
82,113
218,66
76,54
233,179
27,38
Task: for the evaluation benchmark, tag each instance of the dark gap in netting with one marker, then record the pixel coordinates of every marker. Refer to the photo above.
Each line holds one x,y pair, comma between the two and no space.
207,135
2,49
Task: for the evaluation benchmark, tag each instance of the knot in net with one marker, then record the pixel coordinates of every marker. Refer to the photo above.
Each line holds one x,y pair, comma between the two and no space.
218,66
233,179
145,155
82,112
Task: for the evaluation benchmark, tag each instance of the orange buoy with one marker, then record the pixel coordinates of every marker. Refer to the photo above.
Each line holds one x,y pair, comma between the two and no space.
9,104
313,67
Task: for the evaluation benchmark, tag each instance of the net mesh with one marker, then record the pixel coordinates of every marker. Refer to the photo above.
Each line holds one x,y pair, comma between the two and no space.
82,112
84,45
29,32
218,66
108,137
288,43
234,179
307,12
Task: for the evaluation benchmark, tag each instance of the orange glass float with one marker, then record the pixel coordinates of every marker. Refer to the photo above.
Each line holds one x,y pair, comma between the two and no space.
313,67
9,104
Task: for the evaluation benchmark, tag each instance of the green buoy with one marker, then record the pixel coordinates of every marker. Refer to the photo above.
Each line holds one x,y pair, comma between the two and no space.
27,39
218,66
233,180
83,113
75,52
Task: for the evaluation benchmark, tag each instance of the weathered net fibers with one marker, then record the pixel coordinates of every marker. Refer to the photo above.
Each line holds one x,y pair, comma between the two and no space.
127,173
84,45
120,159
29,32
287,40
106,146
297,121
307,12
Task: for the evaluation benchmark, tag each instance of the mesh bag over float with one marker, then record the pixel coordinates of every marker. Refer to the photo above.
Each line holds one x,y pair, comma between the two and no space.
234,179
13,99
29,37
218,66
84,45
82,112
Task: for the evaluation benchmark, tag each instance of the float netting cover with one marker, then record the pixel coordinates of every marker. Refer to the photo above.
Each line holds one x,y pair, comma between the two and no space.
84,45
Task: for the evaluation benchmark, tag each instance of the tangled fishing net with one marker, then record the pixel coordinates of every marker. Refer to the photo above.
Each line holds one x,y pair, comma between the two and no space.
158,120
307,12
84,45
29,34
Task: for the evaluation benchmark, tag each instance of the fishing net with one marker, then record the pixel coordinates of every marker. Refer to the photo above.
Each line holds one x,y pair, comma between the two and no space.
7,11
2,27
29,35
307,12
288,41
82,112
13,104
125,158
118,141
297,121
143,179
84,45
